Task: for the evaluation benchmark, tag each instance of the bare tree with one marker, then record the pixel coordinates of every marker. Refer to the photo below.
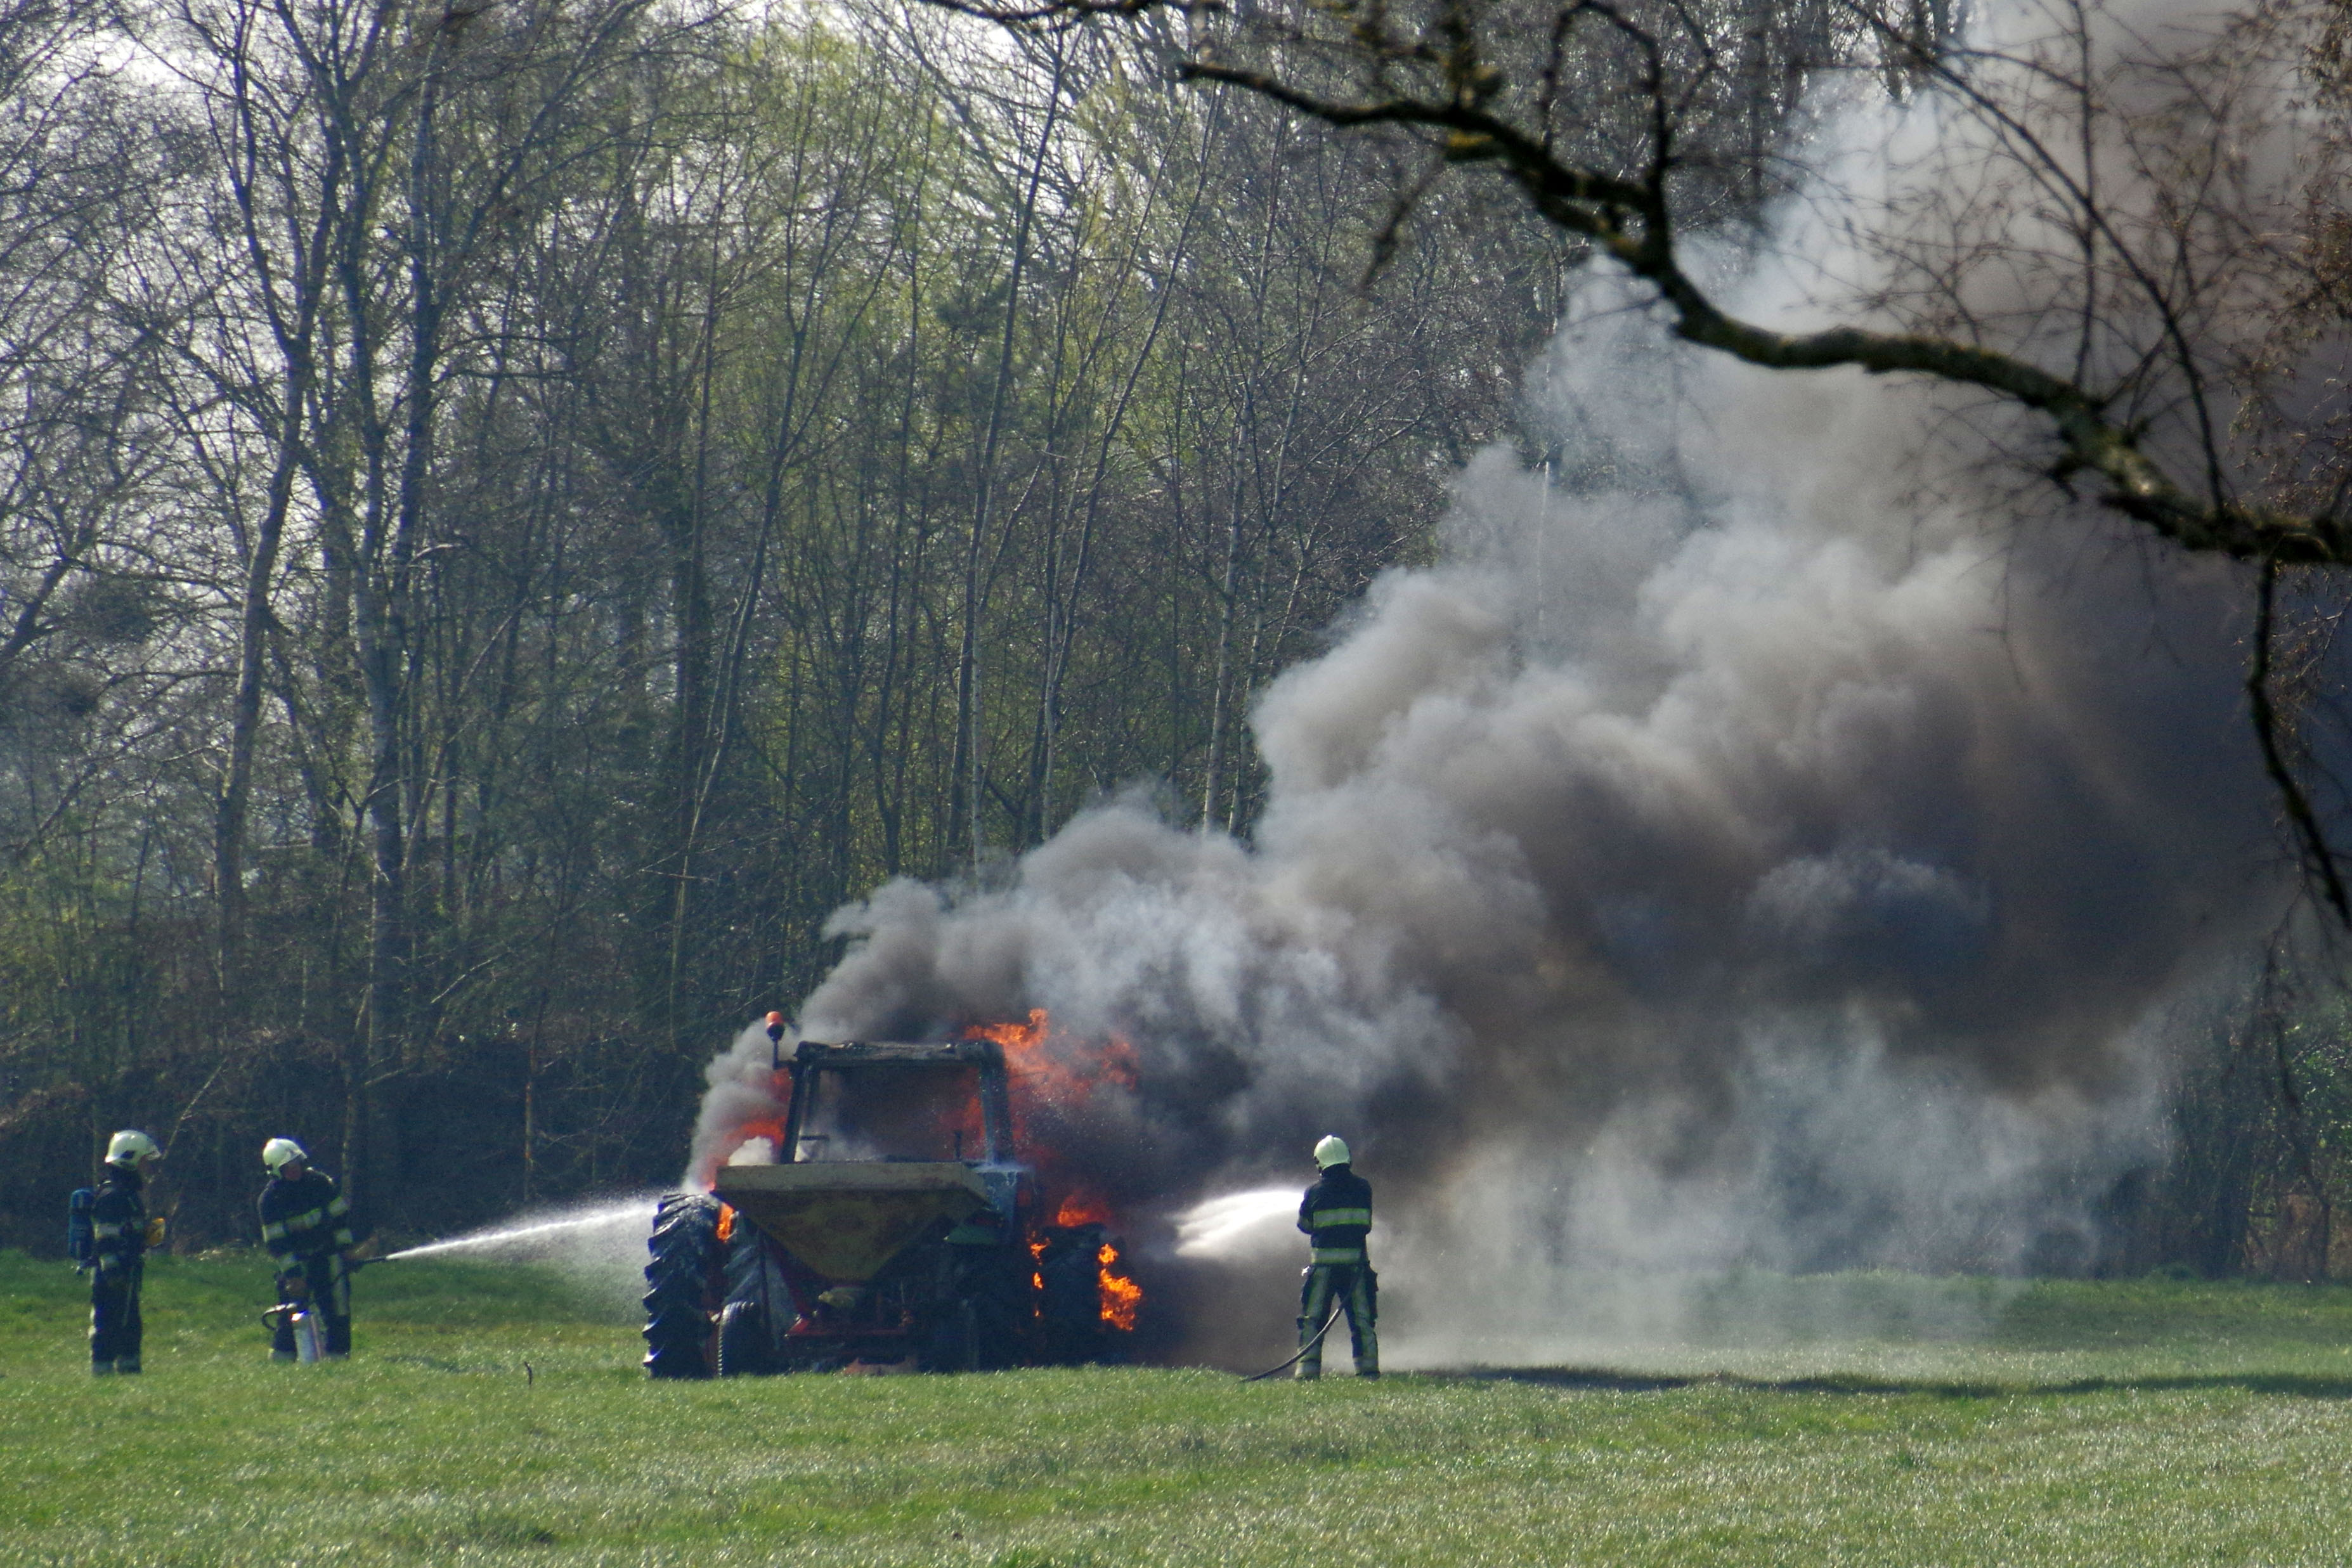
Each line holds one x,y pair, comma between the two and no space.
78,178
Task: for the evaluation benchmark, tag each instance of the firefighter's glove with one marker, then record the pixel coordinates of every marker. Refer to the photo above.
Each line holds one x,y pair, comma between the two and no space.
156,1227
293,1288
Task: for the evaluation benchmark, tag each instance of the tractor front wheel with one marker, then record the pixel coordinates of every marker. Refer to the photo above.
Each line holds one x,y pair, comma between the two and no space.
686,1280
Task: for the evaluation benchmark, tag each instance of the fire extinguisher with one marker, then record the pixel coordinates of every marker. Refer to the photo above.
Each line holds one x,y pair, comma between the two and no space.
302,1324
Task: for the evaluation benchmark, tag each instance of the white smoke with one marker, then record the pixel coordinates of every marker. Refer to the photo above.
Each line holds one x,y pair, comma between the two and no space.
741,1100
1737,850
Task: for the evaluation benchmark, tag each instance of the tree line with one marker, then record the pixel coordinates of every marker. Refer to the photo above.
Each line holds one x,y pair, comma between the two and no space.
514,512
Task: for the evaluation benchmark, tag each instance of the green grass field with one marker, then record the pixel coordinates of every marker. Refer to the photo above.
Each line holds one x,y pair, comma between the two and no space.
2112,1424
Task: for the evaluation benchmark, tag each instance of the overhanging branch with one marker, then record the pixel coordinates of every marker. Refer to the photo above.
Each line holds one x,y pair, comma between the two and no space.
1629,220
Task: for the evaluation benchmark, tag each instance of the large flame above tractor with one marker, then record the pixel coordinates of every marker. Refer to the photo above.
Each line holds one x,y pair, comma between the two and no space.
1061,1079
1062,1076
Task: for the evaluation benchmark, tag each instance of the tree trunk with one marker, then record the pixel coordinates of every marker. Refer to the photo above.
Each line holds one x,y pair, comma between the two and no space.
966,770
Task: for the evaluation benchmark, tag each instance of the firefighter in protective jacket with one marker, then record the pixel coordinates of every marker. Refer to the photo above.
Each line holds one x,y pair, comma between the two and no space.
122,1233
306,1226
1337,1215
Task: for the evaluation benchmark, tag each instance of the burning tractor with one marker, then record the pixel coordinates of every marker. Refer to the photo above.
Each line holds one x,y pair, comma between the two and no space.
877,1238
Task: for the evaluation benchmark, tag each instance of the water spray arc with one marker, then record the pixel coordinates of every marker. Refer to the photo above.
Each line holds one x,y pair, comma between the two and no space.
534,1236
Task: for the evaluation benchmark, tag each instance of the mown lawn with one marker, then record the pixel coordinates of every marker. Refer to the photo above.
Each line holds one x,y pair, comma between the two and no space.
2113,1423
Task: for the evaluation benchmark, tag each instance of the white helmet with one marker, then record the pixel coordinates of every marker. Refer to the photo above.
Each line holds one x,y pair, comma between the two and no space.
132,1148
279,1153
1331,1151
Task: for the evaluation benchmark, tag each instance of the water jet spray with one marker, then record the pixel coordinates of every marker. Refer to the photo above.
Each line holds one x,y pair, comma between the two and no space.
629,1210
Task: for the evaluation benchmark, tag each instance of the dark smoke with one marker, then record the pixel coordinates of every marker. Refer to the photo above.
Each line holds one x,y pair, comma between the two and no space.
1737,852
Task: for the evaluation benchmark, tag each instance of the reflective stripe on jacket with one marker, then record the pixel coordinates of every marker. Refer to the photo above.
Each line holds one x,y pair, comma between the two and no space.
1337,1213
118,1220
304,1217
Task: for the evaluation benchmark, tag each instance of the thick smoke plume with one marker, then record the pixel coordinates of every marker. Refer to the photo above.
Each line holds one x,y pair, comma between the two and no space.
1737,852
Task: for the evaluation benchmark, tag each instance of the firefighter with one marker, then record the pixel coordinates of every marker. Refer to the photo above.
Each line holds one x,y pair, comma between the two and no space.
122,1233
1336,1214
306,1226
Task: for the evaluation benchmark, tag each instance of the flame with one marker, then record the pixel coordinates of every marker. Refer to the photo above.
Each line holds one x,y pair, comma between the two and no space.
1014,1036
1064,1079
726,1223
769,1127
1120,1295
1082,1208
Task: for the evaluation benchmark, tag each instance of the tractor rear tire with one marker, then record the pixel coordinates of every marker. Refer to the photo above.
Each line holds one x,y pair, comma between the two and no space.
686,1281
744,1349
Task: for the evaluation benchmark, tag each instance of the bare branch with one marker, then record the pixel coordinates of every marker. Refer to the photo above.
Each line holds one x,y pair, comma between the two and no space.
2310,838
1632,222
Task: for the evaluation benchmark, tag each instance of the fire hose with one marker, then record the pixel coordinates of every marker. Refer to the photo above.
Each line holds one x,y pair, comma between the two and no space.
1310,1344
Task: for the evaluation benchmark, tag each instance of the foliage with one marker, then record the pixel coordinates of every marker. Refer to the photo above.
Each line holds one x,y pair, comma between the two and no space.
514,516
611,485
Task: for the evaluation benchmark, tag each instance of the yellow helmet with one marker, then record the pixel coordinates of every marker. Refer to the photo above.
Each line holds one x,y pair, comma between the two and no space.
279,1153
1331,1151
